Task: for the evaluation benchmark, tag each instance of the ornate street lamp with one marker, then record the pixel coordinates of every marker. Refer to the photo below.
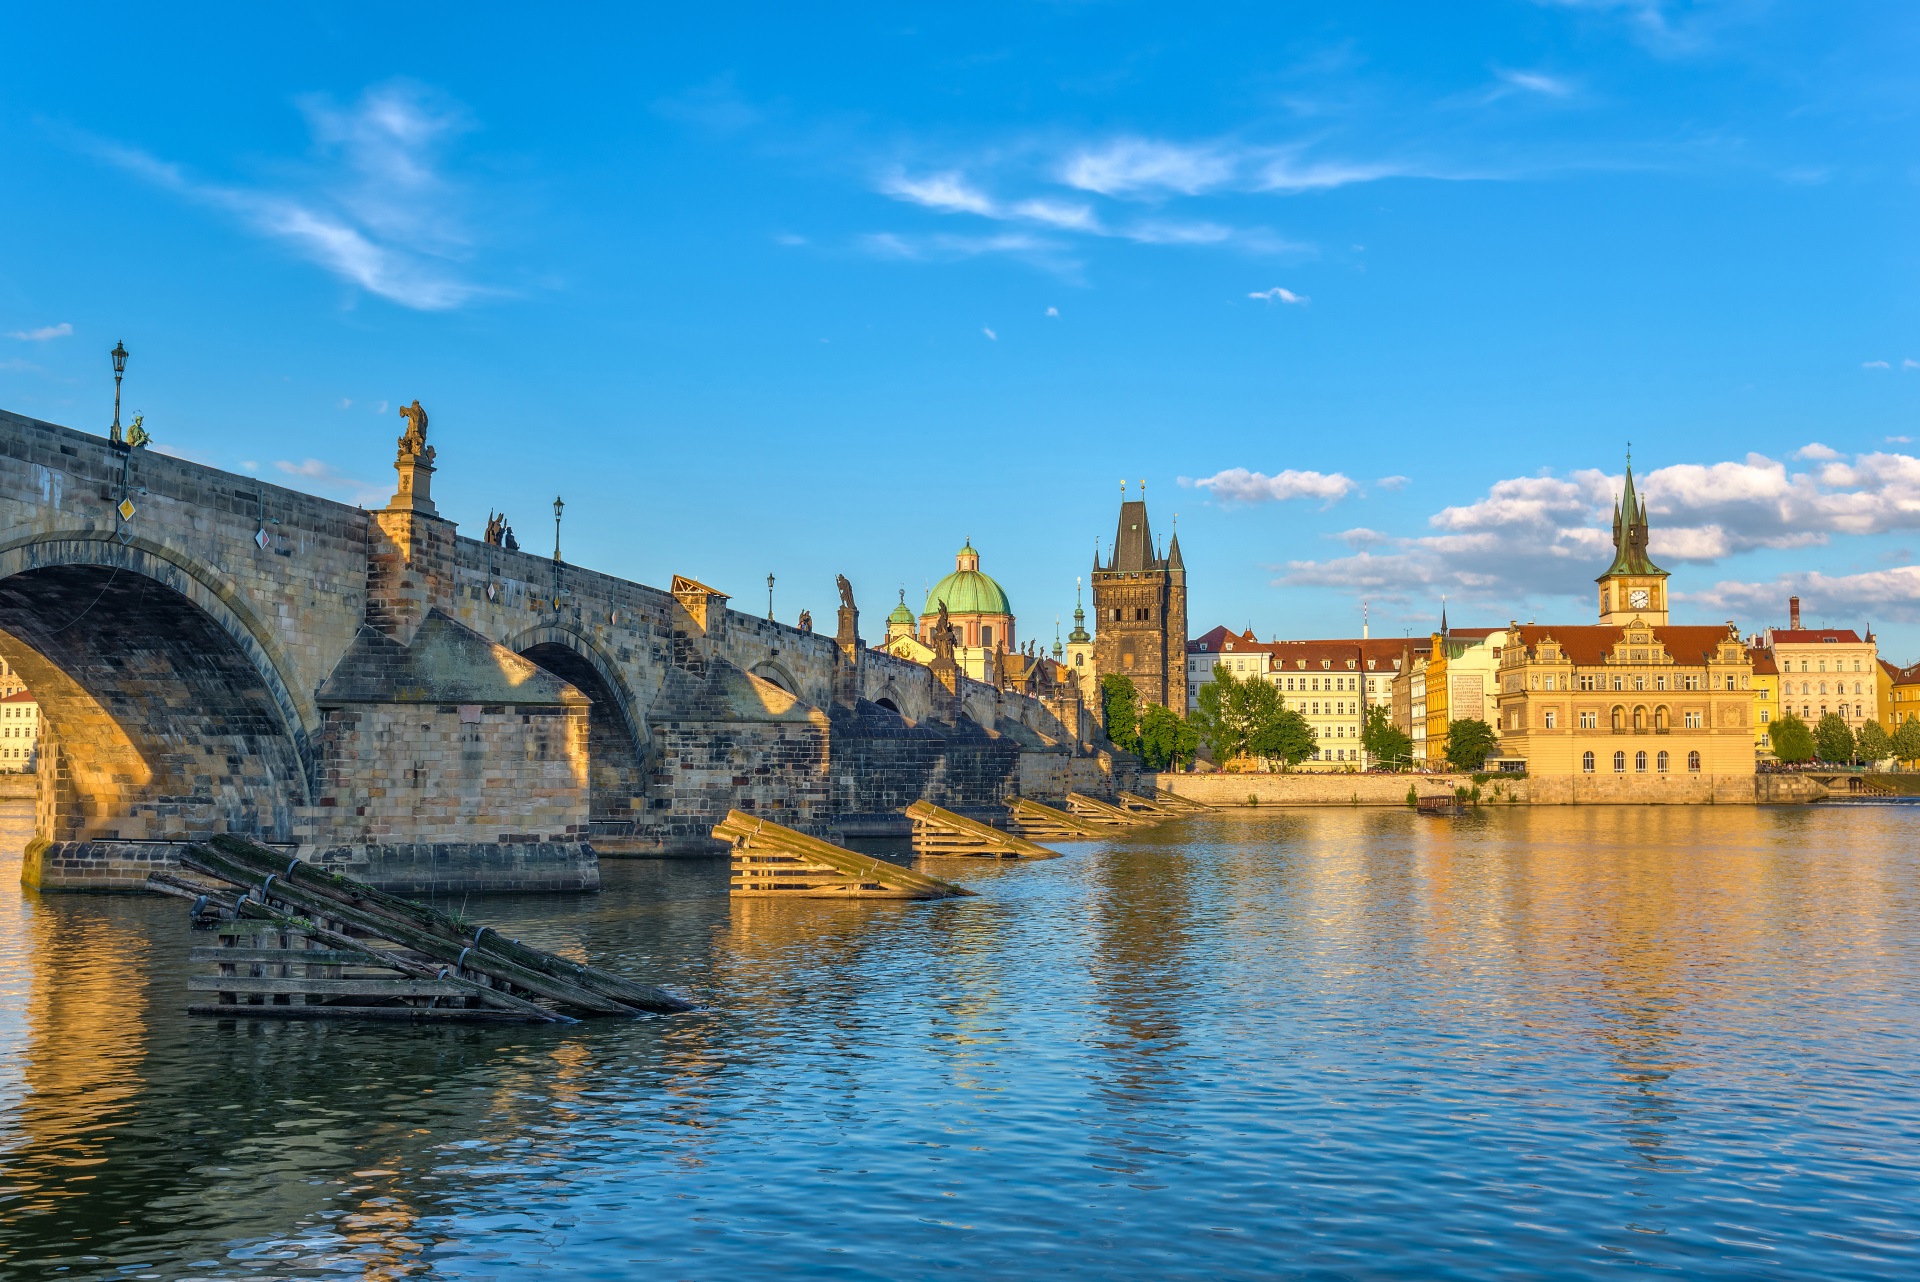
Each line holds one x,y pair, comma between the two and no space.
769,598
559,504
119,354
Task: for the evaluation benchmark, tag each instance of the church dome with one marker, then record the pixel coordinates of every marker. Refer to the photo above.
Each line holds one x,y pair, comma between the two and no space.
967,590
901,614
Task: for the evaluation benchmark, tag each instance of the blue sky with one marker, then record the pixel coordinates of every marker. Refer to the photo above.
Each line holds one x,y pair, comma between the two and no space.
1374,297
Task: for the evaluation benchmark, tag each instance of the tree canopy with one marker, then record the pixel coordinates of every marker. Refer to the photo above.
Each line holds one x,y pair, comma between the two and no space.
1167,742
1833,738
1121,704
1470,741
1872,742
1906,740
1385,742
1792,740
1245,717
1284,737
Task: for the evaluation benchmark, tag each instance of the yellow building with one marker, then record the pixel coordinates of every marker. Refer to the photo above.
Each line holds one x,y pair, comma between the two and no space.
19,731
1462,679
1632,708
1903,699
1825,670
1766,700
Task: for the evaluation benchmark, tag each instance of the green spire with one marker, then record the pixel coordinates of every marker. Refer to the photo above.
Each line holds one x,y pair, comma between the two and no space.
1630,532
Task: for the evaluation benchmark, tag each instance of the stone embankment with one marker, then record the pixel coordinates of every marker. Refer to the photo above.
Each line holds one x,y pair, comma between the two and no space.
1227,790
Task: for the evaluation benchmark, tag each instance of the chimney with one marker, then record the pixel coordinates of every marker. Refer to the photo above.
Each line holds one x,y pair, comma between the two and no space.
1793,613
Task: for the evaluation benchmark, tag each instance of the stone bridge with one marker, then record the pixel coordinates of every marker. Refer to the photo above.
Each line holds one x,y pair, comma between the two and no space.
372,691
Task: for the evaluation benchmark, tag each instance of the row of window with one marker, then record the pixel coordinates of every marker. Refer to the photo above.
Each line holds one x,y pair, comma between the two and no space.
1839,688
1638,681
1660,760
1788,666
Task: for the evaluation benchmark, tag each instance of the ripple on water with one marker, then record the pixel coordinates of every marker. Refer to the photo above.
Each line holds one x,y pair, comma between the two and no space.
1329,1044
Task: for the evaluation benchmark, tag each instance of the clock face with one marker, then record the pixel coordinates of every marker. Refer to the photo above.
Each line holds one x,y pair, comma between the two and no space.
1637,599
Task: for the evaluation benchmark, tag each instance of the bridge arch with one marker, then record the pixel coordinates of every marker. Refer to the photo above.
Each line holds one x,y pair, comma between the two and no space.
168,704
617,732
771,670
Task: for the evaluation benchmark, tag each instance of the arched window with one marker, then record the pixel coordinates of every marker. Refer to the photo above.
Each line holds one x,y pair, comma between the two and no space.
1619,718
1619,763
1693,762
1660,763
1640,718
1640,763
1586,762
1660,718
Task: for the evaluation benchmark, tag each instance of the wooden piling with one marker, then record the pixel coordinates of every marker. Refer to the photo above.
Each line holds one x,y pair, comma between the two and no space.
770,859
1100,812
938,833
1039,821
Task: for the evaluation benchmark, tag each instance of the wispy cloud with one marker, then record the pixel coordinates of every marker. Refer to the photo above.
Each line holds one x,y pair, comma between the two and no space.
1875,365
990,334
1393,482
41,335
1280,295
1238,485
1149,167
325,478
1858,598
1816,450
1537,82
377,209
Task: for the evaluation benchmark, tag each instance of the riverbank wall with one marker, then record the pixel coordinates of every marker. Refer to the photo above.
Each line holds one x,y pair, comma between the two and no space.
1229,790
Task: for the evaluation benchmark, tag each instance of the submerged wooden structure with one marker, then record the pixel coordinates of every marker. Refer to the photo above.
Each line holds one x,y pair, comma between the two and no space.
938,832
297,942
1105,812
1041,822
770,859
1174,802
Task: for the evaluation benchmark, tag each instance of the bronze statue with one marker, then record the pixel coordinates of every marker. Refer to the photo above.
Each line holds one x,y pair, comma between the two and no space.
496,528
942,636
846,591
415,441
806,620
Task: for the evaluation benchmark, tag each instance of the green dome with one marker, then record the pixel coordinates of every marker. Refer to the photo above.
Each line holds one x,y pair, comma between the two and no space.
966,590
901,615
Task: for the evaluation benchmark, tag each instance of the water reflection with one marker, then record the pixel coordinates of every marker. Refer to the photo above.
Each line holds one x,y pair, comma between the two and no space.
1334,1043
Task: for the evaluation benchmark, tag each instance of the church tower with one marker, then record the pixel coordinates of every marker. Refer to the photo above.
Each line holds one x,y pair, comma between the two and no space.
1633,587
1140,610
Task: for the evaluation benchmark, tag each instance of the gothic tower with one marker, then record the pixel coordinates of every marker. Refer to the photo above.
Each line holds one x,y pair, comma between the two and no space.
1140,610
1633,587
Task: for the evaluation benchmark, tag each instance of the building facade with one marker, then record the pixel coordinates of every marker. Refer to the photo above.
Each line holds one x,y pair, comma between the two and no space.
1632,708
1140,610
19,731
1766,700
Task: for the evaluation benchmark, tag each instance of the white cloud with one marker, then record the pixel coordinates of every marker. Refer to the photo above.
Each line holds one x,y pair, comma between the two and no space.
1857,598
377,210
1817,451
1144,167
1056,213
1038,250
1053,311
1899,440
789,239
380,407
949,193
1910,363
336,484
1393,482
346,402
1280,295
1238,485
1538,82
42,334
989,333
1875,365
1546,534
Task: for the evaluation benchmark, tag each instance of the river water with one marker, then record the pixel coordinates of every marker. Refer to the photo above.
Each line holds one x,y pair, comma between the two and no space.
1552,1043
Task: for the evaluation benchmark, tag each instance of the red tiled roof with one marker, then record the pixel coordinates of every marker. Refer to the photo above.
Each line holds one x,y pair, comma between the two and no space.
1763,664
1209,642
1811,636
20,696
1586,643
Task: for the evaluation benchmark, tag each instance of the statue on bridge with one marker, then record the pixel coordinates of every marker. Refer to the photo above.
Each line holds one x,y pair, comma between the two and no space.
942,638
846,591
414,443
496,535
806,621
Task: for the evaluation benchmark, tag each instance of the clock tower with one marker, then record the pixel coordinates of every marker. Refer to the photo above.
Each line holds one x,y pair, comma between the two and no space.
1633,587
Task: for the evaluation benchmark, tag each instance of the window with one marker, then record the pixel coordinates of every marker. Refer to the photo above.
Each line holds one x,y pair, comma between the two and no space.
1639,682
1549,681
1730,683
1823,665
1690,682
1640,763
1619,763
1551,719
1619,718
1765,716
1693,762
1660,763
1660,683
1586,681
1586,762
986,635
1589,721
1693,720
1619,683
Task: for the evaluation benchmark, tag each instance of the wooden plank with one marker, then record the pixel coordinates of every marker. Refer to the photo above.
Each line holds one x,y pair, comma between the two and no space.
1097,810
578,975
1029,811
311,900
357,986
282,956
944,832
751,837
223,1010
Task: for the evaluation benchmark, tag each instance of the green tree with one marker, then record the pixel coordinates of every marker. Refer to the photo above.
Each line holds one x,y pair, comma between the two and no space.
1906,740
1167,742
1872,742
1230,709
1792,740
1469,742
1385,742
1121,703
1282,735
1832,739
